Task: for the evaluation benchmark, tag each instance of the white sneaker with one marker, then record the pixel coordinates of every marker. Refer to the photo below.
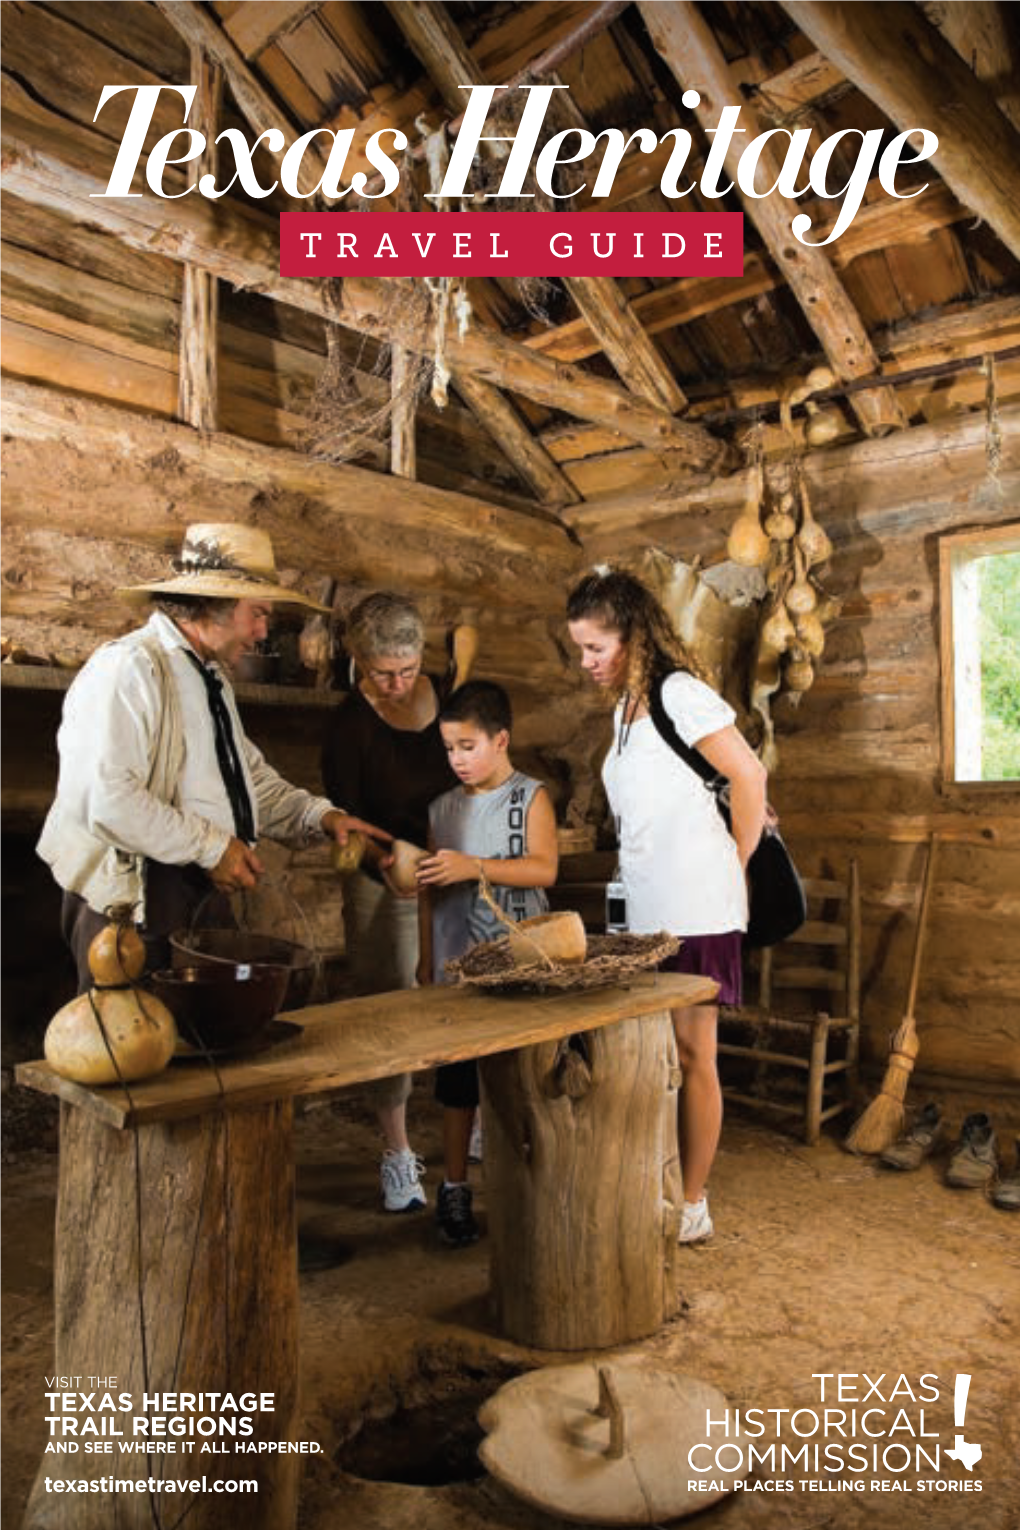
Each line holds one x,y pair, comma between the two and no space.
695,1223
475,1145
400,1176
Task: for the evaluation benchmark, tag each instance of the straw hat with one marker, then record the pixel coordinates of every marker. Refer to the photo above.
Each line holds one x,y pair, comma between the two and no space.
226,561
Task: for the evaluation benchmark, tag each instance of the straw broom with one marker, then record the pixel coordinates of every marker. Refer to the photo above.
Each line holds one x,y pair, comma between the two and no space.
882,1122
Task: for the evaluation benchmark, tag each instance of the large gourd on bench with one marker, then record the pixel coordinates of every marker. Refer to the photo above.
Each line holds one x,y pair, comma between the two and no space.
114,1033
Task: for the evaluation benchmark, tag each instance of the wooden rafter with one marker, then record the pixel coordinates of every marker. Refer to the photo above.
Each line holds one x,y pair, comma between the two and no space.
878,226
804,81
530,458
689,47
500,420
46,164
259,23
442,52
198,387
979,32
908,69
429,29
440,49
200,30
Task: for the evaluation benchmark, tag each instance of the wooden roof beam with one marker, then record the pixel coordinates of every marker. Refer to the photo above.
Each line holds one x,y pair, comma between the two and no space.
877,226
511,434
259,109
909,70
689,47
253,27
431,33
47,164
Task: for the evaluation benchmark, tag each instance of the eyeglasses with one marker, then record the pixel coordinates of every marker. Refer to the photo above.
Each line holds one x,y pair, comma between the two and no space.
387,676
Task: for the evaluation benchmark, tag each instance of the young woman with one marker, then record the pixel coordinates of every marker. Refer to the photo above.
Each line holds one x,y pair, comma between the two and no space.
683,871
383,746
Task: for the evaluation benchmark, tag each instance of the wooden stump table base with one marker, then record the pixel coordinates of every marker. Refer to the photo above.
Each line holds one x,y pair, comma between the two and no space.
583,1187
218,1293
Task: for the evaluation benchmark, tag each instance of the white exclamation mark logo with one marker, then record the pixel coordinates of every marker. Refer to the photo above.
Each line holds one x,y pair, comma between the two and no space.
967,1455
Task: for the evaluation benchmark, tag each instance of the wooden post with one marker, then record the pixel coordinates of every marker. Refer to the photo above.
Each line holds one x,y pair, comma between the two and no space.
689,47
198,382
403,453
583,1186
218,1256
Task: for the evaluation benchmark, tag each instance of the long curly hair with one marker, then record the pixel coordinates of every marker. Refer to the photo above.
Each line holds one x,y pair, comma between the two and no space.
622,604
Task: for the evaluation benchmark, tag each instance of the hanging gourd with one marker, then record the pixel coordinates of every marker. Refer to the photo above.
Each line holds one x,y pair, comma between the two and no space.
747,544
811,538
799,673
823,425
800,597
810,633
782,523
777,630
115,1032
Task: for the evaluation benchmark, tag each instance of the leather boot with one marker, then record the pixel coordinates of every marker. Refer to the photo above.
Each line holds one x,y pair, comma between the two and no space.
910,1150
975,1159
1006,1194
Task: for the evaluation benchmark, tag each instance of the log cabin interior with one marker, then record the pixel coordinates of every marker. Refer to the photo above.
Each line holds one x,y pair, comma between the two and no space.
157,371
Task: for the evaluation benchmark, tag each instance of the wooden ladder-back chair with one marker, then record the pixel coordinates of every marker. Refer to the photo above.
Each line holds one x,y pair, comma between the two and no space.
788,977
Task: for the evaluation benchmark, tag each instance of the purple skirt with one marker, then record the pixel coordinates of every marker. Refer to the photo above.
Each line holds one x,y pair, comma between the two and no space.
714,956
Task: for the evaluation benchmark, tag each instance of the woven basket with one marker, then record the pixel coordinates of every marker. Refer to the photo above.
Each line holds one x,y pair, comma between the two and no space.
611,959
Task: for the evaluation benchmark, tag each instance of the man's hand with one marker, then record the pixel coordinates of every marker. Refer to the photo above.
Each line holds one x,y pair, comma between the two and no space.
237,867
447,867
337,825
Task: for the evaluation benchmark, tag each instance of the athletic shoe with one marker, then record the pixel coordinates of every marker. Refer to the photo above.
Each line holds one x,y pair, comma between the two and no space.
910,1150
975,1159
457,1225
475,1145
695,1223
400,1176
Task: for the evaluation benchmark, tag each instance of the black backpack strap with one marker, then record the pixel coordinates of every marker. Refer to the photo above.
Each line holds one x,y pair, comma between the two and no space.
668,733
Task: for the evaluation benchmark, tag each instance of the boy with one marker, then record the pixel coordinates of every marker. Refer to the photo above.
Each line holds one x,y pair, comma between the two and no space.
500,823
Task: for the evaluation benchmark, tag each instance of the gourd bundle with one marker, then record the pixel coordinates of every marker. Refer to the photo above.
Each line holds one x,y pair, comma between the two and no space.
787,546
115,1033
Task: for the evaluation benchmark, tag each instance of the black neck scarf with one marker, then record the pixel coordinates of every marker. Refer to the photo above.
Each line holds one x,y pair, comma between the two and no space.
226,753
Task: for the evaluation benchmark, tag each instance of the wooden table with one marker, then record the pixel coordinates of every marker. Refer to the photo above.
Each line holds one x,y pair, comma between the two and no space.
176,1266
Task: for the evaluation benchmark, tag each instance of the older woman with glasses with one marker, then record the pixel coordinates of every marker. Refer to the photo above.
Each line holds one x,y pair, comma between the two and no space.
383,747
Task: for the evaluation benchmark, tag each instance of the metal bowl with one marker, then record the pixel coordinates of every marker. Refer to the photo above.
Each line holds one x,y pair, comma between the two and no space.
222,1006
225,947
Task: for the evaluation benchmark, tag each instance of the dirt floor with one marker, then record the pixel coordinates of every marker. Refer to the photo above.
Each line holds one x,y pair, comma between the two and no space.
821,1263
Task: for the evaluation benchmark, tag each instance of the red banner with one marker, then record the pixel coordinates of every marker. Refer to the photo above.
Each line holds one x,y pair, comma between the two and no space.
511,244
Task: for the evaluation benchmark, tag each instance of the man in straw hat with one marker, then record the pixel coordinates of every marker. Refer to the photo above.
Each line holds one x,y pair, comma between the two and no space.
161,796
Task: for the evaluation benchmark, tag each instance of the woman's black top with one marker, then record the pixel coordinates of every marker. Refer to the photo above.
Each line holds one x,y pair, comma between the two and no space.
384,774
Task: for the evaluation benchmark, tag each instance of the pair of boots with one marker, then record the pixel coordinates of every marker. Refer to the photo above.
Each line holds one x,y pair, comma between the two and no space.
974,1162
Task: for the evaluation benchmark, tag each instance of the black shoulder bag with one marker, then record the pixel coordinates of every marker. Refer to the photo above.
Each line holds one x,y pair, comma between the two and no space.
777,903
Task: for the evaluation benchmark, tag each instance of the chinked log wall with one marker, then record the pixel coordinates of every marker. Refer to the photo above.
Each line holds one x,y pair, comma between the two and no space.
859,769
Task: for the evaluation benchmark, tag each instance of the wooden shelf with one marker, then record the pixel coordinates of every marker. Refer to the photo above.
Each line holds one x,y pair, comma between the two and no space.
46,677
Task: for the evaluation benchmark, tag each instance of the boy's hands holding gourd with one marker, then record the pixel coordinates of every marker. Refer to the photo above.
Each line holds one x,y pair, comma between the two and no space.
445,867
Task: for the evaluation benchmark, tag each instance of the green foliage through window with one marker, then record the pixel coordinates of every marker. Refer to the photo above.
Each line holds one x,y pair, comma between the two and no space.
1000,666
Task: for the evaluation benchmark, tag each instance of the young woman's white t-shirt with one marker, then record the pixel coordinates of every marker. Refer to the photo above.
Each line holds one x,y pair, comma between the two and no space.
678,861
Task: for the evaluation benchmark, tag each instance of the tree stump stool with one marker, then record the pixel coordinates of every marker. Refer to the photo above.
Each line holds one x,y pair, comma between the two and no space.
583,1185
